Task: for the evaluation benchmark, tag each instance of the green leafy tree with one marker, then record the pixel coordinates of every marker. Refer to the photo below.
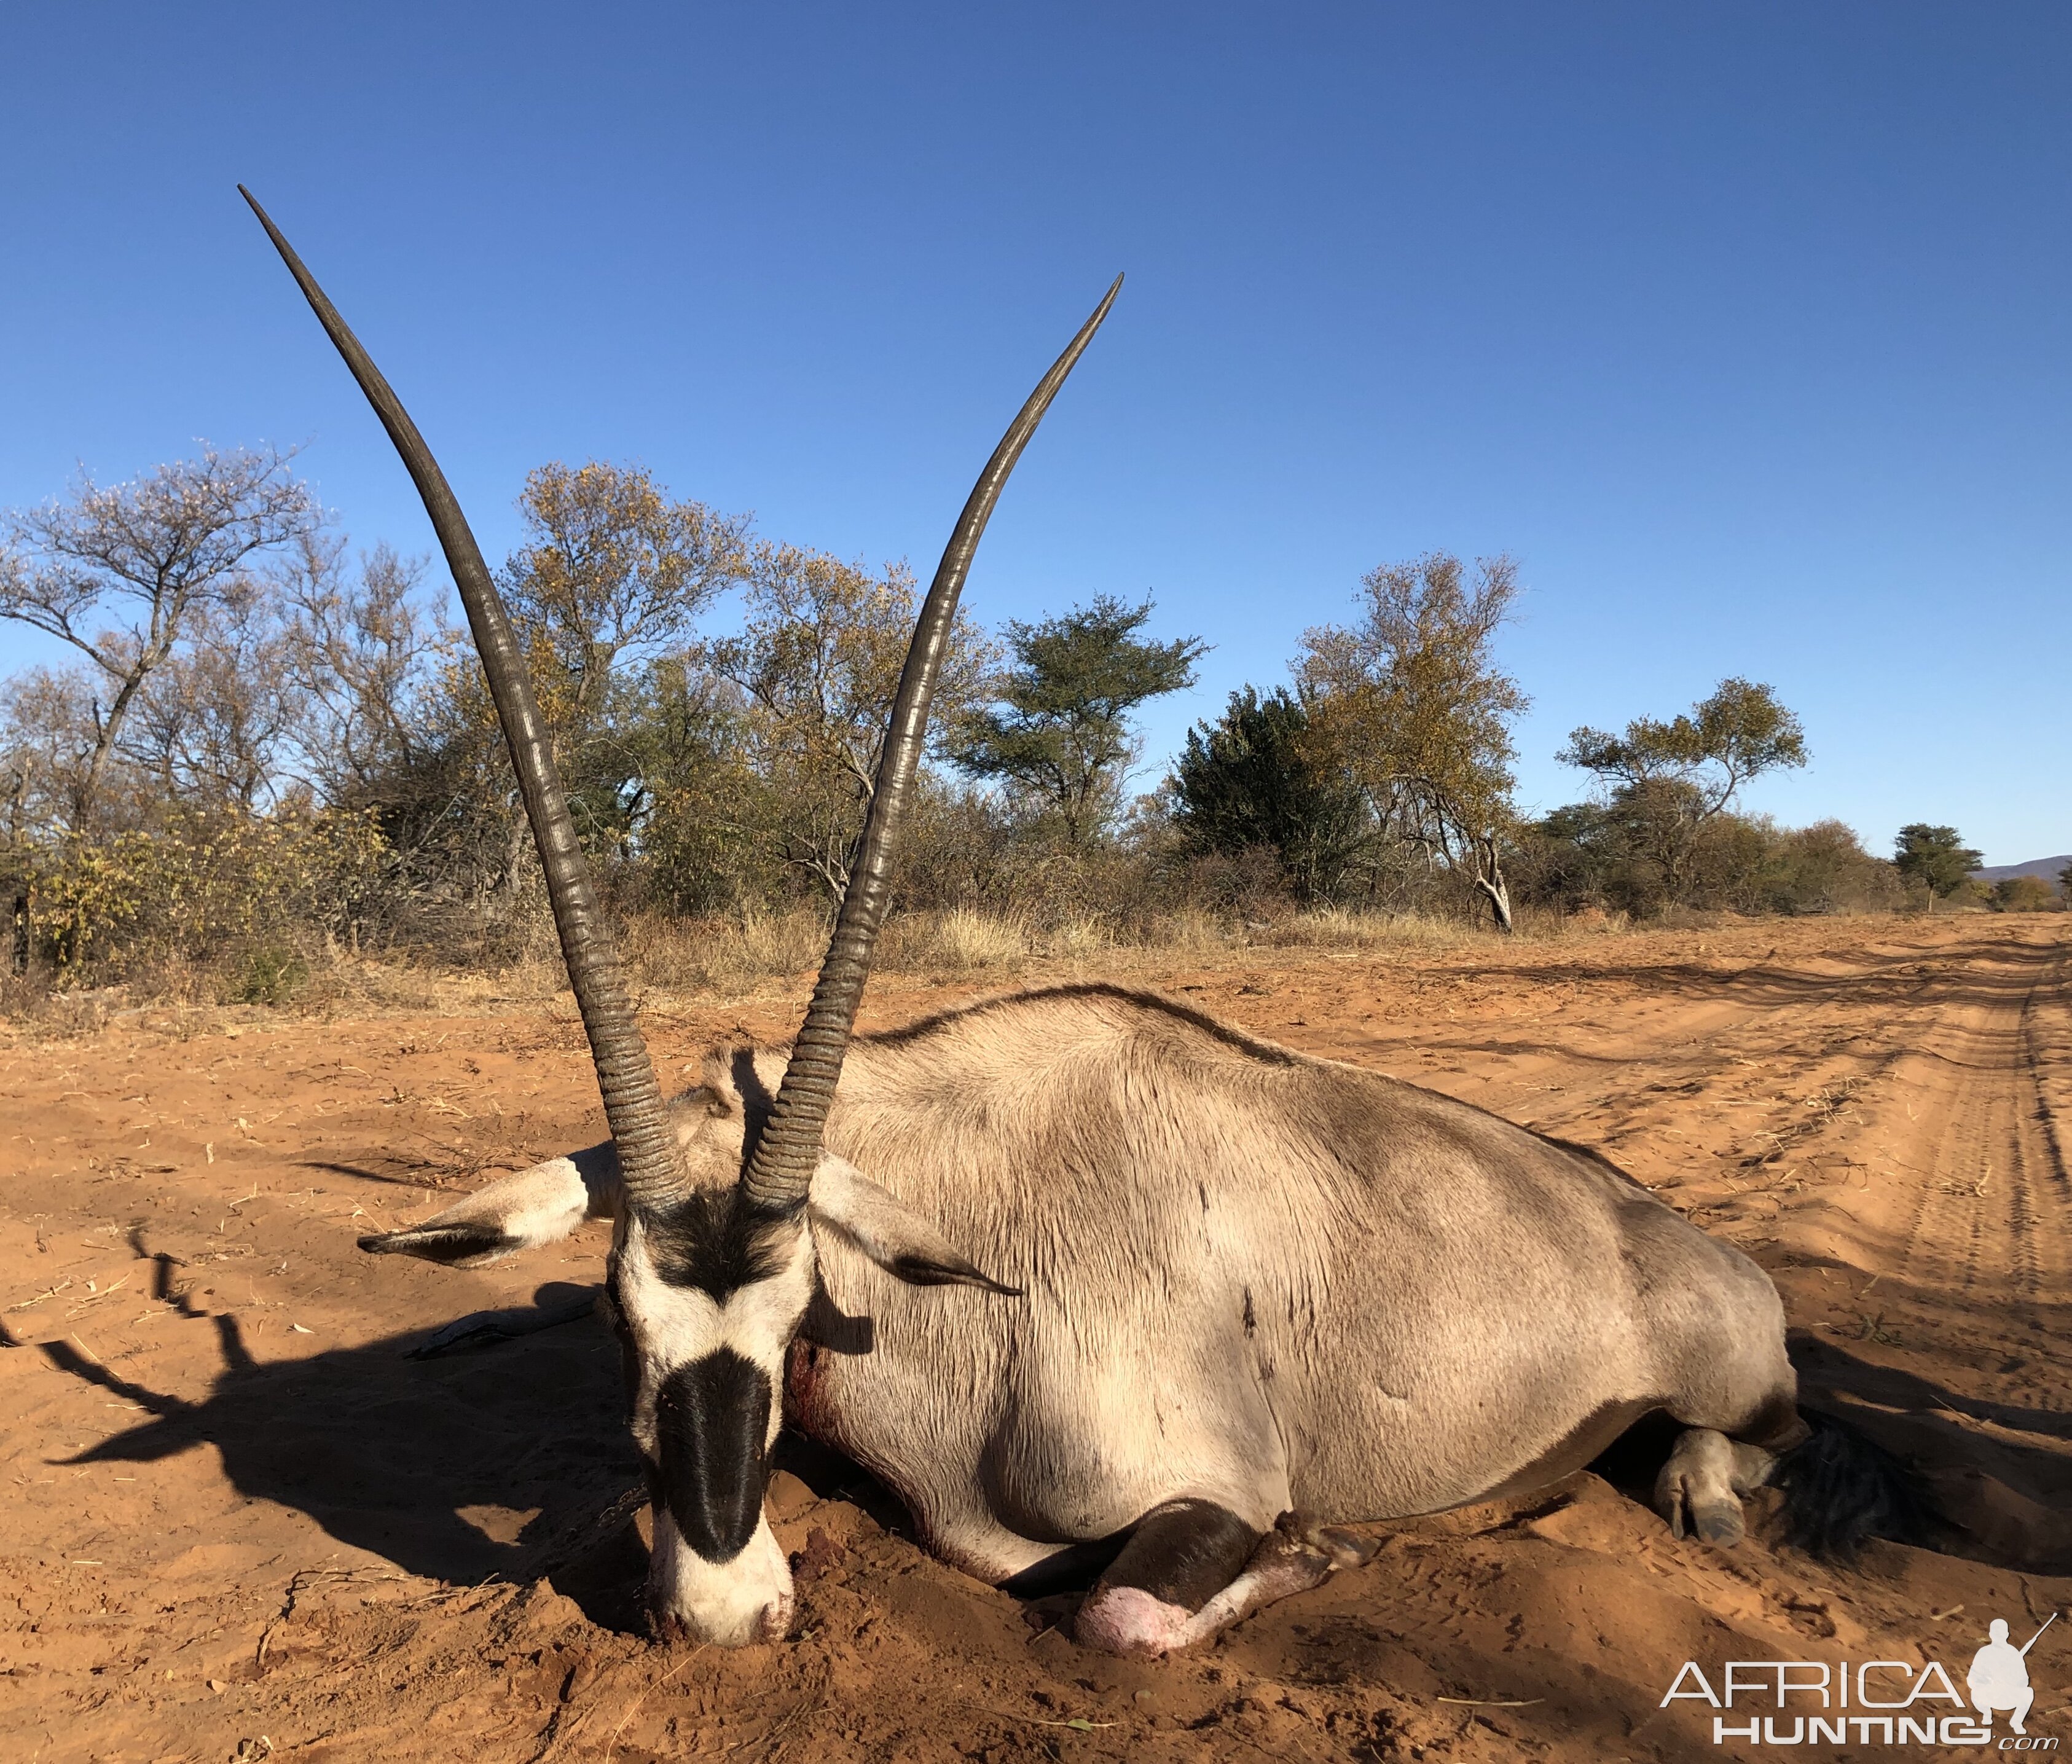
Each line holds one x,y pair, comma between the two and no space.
1059,733
612,573
1936,857
1823,869
710,835
1252,779
1670,779
1409,703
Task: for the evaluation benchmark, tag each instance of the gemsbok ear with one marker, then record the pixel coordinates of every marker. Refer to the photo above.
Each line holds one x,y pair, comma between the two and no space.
523,1210
899,1240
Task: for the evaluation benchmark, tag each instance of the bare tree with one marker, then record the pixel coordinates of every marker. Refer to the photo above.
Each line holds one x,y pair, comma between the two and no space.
213,724
47,735
360,655
120,572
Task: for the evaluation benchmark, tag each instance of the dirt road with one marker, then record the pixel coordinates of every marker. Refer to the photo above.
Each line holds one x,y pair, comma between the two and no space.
243,1523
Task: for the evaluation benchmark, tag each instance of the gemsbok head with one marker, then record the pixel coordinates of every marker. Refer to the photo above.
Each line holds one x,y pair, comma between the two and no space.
712,1262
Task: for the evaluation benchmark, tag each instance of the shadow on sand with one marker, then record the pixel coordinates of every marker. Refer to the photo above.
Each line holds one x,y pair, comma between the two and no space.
1999,1476
492,1448
386,1452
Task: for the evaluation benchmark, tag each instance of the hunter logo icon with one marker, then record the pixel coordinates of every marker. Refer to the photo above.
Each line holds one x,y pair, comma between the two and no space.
1999,1677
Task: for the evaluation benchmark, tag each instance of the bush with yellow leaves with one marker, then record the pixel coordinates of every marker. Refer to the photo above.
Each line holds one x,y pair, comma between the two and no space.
245,899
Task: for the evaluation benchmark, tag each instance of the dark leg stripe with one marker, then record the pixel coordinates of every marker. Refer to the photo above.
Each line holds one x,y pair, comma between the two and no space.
1183,1553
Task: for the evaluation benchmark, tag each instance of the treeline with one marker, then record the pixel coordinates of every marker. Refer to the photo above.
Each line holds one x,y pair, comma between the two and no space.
264,743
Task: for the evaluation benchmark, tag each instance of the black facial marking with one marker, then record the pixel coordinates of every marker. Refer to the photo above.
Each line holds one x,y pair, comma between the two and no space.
711,1419
715,1240
440,1244
1250,1316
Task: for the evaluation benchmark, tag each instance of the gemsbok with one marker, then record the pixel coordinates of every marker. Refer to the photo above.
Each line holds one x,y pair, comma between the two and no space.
1085,1276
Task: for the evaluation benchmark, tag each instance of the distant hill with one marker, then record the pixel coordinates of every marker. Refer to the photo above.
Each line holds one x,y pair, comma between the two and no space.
2046,867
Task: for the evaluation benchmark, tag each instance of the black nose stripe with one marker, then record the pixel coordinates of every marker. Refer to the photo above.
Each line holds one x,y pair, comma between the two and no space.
711,1419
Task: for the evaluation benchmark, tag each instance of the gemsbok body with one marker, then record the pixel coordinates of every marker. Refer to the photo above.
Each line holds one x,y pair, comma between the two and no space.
1087,1278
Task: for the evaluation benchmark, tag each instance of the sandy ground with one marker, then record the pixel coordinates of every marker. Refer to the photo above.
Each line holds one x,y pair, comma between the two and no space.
242,1522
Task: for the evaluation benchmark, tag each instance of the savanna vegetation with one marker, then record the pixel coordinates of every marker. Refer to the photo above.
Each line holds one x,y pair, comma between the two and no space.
268,758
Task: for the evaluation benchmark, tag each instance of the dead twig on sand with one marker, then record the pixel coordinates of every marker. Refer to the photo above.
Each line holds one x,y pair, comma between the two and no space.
300,1583
491,1329
633,1708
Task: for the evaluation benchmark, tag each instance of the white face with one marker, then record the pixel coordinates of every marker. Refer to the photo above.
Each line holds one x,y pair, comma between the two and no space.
704,1361
706,1296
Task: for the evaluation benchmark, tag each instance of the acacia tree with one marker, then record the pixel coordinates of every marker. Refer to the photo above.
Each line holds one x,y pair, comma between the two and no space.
1669,779
1410,703
817,663
122,573
1936,857
1059,731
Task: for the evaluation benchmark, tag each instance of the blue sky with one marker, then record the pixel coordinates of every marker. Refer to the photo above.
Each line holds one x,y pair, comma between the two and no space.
1747,330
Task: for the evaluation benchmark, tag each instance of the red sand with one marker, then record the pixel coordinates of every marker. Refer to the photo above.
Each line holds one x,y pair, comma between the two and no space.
243,1524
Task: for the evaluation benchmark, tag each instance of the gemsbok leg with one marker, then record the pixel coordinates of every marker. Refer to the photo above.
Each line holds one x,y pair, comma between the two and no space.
1192,1569
1740,1410
1705,1478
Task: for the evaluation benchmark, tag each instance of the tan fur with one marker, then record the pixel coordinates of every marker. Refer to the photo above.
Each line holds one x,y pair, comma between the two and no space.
1249,1277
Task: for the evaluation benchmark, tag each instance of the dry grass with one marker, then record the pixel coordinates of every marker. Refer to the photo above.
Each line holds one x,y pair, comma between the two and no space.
743,957
1337,927
960,941
732,957
728,957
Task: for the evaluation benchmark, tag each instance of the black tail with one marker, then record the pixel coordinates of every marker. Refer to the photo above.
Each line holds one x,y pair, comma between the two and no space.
1840,1488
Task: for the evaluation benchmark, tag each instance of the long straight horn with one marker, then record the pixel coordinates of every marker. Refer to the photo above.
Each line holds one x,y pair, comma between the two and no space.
780,1169
648,1156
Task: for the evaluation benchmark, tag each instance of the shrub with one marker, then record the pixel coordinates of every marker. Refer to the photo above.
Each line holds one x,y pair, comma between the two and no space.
2024,894
241,895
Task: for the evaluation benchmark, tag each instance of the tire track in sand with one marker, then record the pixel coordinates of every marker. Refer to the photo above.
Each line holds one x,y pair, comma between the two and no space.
1990,1219
1965,1230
